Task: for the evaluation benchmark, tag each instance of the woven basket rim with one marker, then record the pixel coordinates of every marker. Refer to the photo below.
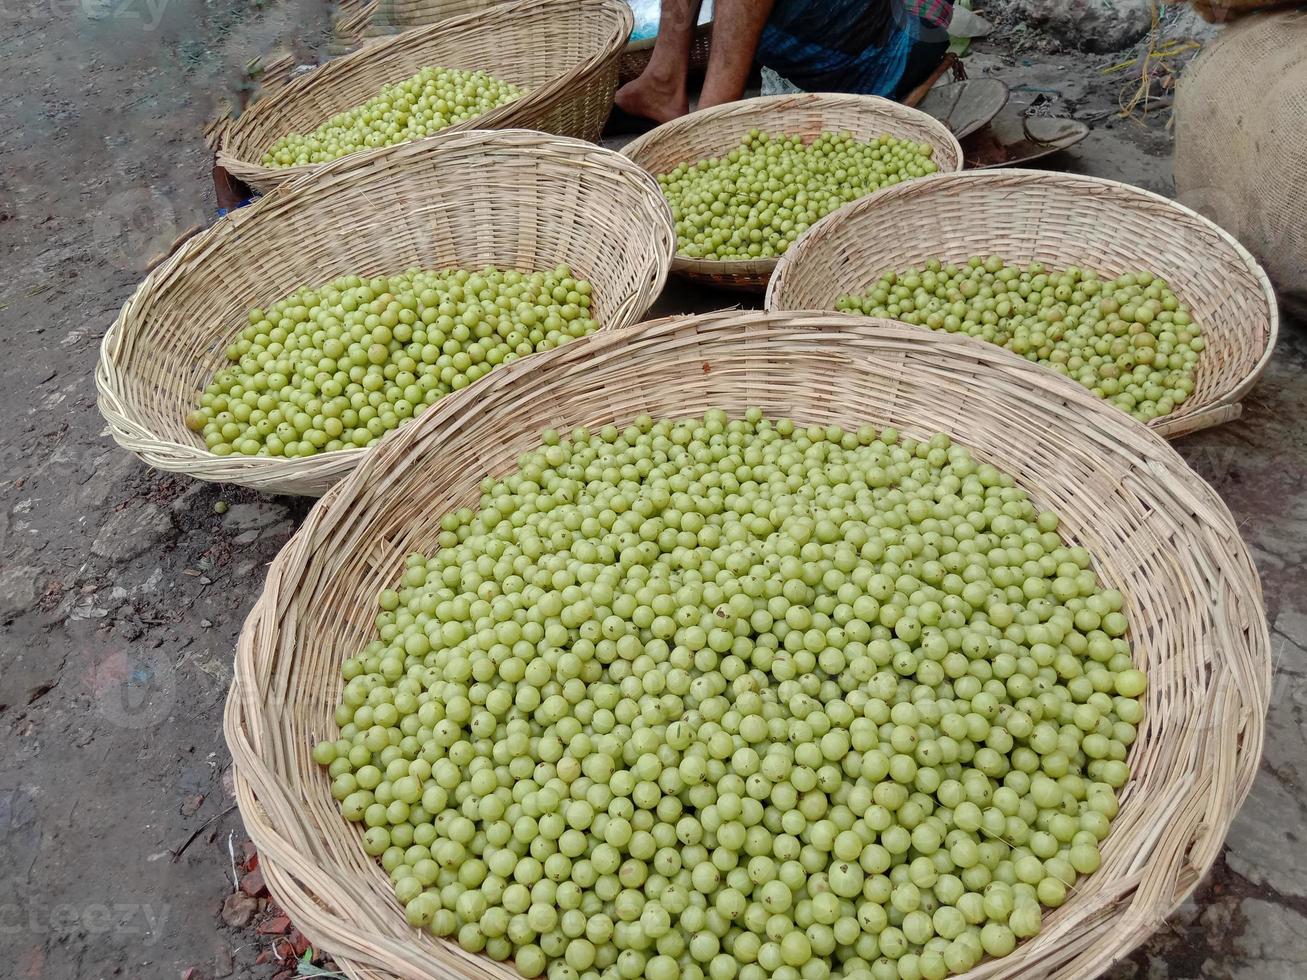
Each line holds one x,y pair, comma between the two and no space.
1132,901
772,107
374,7
646,44
280,474
467,27
791,263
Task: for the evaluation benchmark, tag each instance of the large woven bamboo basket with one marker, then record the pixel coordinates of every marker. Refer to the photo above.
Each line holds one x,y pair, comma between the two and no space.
507,198
1061,220
563,52
713,132
360,21
1197,621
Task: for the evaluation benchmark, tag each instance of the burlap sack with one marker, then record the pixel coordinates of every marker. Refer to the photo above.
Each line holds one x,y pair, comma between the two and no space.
1240,141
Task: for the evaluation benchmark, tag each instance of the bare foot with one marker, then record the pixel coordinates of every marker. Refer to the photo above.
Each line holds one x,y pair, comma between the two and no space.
655,99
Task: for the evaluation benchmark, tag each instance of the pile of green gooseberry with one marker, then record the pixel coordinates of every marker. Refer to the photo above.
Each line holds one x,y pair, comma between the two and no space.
1129,340
339,366
432,100
740,699
757,199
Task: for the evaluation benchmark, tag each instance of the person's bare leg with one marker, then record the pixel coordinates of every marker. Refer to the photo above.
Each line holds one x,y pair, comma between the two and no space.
737,26
659,93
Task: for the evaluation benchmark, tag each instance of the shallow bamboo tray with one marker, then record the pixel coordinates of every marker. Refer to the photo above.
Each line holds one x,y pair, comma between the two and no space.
713,132
1160,534
1061,220
562,52
507,198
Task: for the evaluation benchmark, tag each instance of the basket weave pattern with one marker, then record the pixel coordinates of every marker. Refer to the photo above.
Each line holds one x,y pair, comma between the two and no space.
1196,618
716,131
508,198
360,21
636,55
1061,220
563,52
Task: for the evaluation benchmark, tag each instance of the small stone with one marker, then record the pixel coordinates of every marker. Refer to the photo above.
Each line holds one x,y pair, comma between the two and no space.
184,502
1184,23
111,471
133,530
245,537
1292,625
252,884
128,631
245,517
1216,917
278,925
1187,913
17,590
239,909
1274,942
1093,25
298,942
282,529
223,962
192,804
1265,844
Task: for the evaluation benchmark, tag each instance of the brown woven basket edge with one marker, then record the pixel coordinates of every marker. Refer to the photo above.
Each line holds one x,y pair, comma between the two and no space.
312,475
1198,417
769,104
266,178
1247,741
710,270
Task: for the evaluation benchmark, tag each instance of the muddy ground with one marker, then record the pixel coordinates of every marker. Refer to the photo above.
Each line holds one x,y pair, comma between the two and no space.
122,590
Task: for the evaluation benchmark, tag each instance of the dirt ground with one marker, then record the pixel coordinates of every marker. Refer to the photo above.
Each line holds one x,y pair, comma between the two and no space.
122,590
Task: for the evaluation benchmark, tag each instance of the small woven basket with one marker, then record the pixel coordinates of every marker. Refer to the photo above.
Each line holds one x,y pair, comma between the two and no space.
1061,220
713,132
636,55
508,198
562,52
1197,621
